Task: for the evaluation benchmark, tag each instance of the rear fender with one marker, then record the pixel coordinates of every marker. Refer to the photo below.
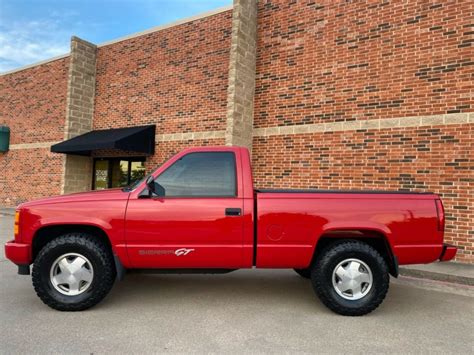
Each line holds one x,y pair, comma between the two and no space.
358,226
371,233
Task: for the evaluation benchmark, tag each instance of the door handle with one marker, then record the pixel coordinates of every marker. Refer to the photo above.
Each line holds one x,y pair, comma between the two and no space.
233,211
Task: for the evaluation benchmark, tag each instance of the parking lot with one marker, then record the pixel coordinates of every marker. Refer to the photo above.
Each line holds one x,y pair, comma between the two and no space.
244,311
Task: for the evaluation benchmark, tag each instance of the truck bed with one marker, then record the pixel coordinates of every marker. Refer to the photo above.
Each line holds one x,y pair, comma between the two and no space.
317,191
291,222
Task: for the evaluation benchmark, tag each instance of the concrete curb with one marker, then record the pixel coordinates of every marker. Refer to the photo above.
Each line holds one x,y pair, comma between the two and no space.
466,279
7,211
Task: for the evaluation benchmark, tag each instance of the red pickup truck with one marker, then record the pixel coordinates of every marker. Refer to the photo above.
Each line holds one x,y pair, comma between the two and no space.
200,212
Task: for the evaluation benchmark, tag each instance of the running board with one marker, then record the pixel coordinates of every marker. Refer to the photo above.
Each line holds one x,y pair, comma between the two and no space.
180,271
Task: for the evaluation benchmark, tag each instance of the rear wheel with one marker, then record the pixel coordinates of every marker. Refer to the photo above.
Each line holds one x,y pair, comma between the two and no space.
350,277
73,272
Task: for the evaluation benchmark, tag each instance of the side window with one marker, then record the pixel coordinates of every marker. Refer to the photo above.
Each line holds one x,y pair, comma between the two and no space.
199,174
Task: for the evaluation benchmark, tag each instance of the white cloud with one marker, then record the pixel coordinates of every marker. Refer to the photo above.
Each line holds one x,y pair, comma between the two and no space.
42,32
27,42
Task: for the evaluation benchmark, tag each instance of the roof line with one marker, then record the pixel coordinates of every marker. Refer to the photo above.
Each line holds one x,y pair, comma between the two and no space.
35,64
168,25
133,35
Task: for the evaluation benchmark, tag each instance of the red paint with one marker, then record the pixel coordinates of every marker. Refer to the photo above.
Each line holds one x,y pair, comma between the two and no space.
449,253
17,252
146,232
440,212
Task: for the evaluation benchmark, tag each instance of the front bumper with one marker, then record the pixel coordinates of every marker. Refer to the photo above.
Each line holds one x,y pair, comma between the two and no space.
448,252
18,253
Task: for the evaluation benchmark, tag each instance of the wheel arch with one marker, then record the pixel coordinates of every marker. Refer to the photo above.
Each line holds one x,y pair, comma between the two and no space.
48,233
373,237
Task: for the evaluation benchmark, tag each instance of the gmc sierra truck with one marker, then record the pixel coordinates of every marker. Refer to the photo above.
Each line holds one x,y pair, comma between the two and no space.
200,212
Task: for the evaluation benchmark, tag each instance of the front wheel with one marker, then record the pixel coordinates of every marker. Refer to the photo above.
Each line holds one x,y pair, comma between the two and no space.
73,272
351,278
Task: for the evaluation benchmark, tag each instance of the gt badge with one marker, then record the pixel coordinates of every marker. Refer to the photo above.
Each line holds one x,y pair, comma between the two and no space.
183,251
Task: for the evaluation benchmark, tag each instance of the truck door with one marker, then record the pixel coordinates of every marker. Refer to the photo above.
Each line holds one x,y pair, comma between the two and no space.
195,218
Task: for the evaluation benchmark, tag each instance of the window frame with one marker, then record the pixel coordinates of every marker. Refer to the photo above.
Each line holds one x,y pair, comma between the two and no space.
236,182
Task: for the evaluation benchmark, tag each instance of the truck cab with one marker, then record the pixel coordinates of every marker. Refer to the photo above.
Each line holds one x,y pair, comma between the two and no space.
202,200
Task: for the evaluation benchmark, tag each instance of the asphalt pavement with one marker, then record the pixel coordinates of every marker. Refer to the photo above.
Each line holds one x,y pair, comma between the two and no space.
247,311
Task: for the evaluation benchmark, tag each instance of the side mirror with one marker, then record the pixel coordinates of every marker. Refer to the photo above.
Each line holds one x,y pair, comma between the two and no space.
150,184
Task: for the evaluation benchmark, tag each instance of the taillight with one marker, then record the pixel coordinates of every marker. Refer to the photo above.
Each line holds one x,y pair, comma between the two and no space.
16,227
440,211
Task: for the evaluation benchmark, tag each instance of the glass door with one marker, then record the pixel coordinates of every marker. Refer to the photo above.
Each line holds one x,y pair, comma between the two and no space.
117,172
101,175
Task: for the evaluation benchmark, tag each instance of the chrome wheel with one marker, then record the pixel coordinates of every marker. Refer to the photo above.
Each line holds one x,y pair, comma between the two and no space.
71,274
352,279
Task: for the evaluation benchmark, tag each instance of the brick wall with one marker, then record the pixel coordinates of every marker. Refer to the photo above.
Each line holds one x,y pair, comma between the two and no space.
362,81
339,61
28,174
32,104
175,78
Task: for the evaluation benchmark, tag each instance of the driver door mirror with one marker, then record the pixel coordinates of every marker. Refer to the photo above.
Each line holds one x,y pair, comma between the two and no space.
150,184
153,187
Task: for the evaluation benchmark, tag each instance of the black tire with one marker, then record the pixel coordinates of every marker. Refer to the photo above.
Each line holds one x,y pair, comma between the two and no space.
322,273
99,256
306,273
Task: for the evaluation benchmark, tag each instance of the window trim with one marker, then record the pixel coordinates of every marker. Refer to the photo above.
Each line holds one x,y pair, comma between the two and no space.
236,192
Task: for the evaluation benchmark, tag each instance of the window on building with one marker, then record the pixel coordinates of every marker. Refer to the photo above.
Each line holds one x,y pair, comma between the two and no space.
117,172
205,174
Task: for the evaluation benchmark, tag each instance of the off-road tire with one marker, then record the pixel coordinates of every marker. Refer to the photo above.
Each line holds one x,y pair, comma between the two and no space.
306,273
101,259
330,257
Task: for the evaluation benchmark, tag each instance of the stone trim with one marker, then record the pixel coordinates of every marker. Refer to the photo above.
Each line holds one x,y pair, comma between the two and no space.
80,88
77,170
399,122
186,136
35,145
242,72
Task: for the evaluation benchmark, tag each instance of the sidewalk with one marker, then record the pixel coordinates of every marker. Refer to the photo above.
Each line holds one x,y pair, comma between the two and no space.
441,271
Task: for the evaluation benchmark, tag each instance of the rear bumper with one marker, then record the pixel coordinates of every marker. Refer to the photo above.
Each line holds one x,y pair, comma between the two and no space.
18,253
448,252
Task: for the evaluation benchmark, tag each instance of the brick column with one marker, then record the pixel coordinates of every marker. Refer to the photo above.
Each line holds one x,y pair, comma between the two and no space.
241,89
77,174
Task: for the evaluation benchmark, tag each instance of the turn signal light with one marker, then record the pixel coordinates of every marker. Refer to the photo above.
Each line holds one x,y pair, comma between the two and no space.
441,217
16,227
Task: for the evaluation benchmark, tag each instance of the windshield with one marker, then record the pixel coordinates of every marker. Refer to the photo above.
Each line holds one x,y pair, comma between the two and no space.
136,183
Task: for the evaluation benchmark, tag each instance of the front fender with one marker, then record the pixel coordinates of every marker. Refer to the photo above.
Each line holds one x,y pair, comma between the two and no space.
105,215
92,222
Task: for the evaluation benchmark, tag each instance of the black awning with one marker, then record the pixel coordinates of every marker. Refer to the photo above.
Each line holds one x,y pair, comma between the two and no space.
132,139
